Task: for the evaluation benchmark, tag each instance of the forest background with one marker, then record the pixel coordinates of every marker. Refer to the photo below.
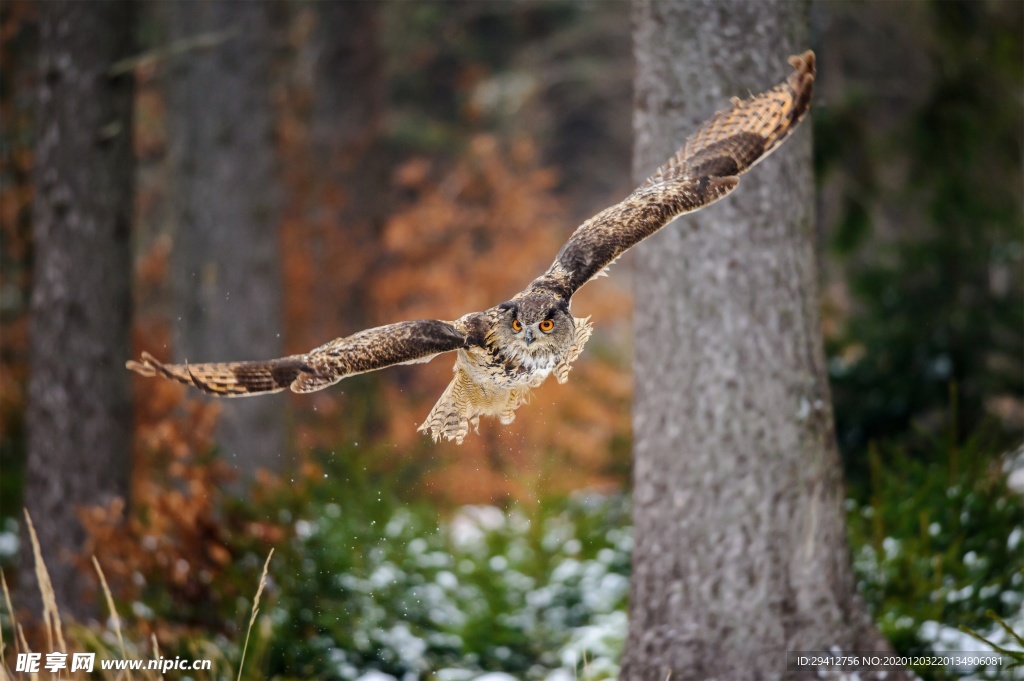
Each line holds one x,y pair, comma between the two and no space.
428,159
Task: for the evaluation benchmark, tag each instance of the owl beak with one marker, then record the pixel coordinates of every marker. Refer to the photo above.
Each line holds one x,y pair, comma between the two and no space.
529,337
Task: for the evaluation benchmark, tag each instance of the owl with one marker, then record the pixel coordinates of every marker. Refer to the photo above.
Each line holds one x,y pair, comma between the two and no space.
508,350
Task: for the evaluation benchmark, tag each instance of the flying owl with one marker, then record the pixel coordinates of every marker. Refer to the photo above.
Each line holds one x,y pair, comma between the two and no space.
505,352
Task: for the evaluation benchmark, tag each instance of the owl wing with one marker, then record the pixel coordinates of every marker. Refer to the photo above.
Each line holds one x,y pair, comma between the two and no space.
706,169
384,346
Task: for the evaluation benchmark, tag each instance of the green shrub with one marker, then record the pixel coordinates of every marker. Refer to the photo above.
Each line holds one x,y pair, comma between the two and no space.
374,583
937,545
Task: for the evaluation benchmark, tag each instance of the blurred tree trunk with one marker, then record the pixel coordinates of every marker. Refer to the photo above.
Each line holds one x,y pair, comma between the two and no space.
344,179
740,537
226,270
79,413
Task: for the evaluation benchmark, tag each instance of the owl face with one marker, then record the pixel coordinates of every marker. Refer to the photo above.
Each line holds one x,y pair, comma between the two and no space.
535,325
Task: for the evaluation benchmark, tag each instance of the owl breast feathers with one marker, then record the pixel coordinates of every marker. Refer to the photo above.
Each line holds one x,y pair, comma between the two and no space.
506,351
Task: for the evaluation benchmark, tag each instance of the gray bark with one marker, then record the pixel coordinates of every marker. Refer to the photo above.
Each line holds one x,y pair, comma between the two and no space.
79,411
740,548
226,272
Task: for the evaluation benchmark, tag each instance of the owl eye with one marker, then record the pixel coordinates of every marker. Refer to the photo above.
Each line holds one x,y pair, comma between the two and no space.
516,326
547,325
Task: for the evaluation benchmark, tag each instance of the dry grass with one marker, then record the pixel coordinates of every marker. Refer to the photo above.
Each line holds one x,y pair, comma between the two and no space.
95,641
255,611
114,618
51,616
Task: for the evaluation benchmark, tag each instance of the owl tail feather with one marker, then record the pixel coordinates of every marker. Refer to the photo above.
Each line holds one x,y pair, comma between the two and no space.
451,416
463,403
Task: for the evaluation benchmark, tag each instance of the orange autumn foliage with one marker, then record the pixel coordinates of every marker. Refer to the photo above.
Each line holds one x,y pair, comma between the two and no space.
467,238
181,535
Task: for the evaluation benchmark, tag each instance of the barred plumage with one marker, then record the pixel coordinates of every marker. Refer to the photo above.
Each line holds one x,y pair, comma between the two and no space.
504,352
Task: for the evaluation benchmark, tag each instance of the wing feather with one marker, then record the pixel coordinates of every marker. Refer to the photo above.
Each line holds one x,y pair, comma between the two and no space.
384,346
703,171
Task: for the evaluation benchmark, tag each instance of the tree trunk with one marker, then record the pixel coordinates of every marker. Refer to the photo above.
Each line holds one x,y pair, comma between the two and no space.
740,548
338,176
79,412
226,270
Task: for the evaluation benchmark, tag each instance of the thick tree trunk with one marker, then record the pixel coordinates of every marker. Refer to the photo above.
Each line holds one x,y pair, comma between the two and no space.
740,539
226,270
79,414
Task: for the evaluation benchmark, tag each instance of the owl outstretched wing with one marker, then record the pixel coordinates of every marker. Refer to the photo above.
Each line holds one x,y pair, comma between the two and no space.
706,169
384,346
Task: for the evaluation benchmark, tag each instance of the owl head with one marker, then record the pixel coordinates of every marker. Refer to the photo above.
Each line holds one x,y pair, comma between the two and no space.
535,324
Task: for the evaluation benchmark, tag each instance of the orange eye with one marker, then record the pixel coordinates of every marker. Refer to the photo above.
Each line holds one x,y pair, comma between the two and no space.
516,326
547,325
